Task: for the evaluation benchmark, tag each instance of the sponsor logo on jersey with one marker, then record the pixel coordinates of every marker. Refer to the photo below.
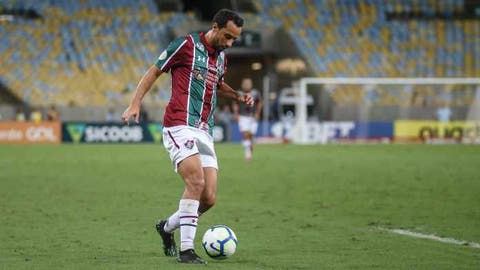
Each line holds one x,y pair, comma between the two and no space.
199,73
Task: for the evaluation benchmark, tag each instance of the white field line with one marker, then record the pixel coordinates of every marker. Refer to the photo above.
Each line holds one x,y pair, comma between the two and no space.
432,237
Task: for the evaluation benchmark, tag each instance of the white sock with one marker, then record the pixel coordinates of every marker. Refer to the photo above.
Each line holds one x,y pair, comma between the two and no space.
173,222
188,214
247,147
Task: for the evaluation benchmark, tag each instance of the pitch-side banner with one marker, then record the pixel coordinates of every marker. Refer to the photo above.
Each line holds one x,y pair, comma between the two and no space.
428,130
325,132
29,133
111,133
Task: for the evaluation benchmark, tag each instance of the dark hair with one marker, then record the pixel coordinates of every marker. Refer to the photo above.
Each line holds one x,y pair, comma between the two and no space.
225,15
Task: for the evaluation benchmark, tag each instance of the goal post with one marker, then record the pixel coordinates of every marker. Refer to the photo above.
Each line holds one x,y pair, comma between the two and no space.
398,95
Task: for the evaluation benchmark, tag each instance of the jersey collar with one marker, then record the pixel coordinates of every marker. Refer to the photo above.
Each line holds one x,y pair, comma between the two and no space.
209,47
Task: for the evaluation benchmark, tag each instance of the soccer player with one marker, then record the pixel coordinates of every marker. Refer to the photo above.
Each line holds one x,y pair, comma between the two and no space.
197,65
247,116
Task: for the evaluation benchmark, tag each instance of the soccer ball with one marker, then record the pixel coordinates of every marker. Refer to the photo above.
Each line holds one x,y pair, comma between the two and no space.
219,242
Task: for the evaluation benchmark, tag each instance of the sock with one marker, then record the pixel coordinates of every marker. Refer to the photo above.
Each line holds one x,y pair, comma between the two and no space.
188,213
173,222
248,150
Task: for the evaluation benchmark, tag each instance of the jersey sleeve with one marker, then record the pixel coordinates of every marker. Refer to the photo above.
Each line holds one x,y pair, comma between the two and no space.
256,96
172,55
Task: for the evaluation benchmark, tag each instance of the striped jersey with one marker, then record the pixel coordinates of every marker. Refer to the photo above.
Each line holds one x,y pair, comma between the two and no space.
197,71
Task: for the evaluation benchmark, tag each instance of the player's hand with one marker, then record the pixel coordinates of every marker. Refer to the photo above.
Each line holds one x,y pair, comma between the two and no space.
248,99
131,111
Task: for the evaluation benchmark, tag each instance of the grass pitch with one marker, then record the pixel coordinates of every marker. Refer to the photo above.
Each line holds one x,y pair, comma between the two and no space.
294,207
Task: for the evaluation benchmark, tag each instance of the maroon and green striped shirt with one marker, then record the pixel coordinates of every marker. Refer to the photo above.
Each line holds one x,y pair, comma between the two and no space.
197,72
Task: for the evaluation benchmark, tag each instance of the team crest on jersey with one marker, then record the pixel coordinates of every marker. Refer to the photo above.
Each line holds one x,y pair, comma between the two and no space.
200,46
163,55
189,144
199,74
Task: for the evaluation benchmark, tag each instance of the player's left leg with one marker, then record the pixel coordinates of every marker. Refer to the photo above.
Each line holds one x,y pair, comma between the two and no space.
247,145
210,169
244,124
248,135
207,200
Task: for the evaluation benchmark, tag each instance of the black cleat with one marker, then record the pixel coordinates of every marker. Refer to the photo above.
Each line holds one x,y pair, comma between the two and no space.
169,247
189,256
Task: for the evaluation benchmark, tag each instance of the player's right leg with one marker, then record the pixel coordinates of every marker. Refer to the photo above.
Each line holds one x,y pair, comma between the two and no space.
183,151
191,171
187,215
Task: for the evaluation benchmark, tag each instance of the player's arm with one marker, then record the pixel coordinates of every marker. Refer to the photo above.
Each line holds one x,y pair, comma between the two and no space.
224,90
258,109
143,87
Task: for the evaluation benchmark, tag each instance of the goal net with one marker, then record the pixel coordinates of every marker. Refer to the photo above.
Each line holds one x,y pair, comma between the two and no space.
432,110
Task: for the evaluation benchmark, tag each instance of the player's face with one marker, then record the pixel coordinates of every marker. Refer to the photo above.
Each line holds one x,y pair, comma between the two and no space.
224,37
247,85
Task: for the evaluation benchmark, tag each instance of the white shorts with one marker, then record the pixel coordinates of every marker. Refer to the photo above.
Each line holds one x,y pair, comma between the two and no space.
247,124
184,141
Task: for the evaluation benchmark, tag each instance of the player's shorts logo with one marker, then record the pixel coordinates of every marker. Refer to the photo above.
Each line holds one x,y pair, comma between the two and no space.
189,144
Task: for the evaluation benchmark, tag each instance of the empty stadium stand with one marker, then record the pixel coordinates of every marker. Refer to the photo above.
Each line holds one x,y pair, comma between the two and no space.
81,52
356,39
93,52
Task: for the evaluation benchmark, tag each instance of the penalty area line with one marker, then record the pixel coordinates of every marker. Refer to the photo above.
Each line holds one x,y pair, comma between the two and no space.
434,237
